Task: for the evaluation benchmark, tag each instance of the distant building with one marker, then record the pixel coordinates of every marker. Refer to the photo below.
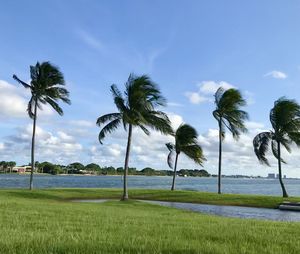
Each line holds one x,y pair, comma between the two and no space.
277,176
24,169
271,175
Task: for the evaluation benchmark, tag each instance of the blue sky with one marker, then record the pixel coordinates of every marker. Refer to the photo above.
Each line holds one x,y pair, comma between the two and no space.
188,47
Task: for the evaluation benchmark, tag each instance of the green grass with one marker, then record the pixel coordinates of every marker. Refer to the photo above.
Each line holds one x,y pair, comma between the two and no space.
44,221
161,195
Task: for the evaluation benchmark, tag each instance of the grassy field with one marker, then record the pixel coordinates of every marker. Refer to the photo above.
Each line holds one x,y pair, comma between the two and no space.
44,221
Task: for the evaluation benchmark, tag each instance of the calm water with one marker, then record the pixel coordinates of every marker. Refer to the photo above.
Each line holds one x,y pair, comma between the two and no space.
235,211
230,185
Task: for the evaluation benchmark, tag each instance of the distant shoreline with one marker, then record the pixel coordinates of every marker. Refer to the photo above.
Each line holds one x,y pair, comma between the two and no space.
229,177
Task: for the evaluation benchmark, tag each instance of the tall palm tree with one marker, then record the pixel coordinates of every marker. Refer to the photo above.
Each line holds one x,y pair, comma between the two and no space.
285,121
229,115
137,108
46,87
185,142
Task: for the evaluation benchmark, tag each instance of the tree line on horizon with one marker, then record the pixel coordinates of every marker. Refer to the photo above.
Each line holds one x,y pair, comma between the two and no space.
139,107
95,169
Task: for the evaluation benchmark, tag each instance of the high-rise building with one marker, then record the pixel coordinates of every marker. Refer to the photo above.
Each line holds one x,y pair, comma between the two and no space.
271,175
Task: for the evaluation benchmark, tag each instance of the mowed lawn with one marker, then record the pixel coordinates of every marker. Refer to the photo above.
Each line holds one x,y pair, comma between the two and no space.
45,221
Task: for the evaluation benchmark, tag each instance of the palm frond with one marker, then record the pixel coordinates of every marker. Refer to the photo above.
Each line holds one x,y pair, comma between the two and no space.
158,121
30,107
218,95
58,93
54,105
186,142
109,128
194,152
284,115
261,146
118,98
108,117
286,142
294,137
170,160
21,82
144,129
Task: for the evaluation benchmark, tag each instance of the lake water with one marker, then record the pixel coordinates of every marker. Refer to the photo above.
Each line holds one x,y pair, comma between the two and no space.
235,211
230,185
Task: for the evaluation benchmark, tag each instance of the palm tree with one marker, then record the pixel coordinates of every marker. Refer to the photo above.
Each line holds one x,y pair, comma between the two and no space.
285,121
11,165
185,142
230,116
136,109
47,87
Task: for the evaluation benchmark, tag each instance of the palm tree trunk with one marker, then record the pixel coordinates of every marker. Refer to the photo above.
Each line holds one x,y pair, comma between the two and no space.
32,146
125,192
220,157
174,175
284,193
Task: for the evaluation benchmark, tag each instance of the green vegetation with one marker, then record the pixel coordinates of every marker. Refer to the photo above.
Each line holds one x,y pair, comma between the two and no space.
95,169
46,87
7,166
43,221
185,142
230,116
285,120
137,108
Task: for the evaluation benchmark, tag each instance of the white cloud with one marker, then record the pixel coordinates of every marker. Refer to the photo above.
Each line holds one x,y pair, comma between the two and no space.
13,101
276,74
210,87
206,90
65,137
239,157
176,120
59,147
196,98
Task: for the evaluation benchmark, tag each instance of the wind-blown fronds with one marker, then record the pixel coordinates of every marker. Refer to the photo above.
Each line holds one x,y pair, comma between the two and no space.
261,144
228,112
285,120
46,86
185,142
137,106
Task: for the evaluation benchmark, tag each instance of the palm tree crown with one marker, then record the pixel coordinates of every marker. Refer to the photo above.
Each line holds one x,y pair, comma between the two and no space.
228,112
46,86
136,109
185,142
285,121
230,116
